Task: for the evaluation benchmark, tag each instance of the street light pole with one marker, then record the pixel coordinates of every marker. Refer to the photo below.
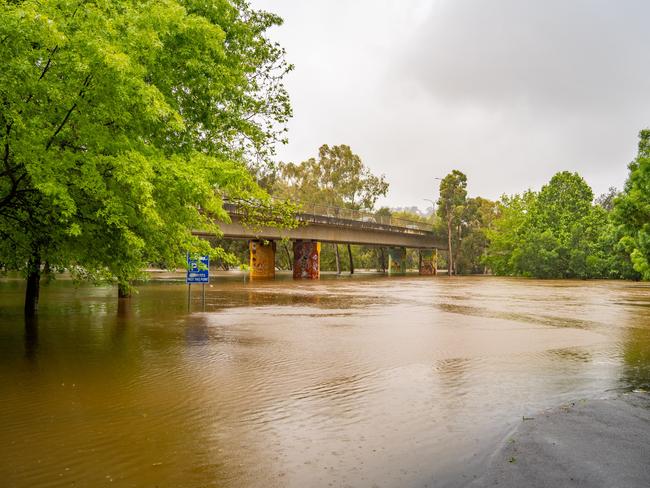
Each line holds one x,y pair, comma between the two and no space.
433,204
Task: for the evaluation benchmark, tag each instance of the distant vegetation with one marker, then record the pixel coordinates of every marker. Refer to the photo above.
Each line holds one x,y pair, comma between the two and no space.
560,231
126,125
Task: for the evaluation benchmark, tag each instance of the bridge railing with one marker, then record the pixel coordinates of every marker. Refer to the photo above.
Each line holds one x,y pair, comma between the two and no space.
315,211
363,216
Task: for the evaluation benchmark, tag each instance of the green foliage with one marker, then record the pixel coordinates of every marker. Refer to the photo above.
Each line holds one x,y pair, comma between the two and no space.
451,204
337,178
632,209
124,126
475,221
453,195
556,233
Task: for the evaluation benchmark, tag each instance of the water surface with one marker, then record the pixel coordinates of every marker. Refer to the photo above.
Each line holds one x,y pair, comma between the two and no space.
342,382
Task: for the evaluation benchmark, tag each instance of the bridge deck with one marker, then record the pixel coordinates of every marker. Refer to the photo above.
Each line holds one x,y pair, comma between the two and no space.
366,229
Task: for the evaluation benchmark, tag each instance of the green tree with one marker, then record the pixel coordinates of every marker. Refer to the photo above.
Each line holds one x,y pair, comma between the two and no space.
556,233
452,199
507,232
632,209
337,178
606,200
123,127
477,218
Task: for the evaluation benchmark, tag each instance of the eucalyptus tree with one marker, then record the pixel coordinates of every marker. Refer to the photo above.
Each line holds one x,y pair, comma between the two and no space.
452,199
337,178
125,124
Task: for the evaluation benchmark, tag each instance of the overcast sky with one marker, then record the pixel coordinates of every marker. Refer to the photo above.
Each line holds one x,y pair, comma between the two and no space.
507,91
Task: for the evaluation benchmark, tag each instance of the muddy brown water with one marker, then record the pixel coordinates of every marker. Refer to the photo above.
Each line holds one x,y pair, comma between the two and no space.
370,381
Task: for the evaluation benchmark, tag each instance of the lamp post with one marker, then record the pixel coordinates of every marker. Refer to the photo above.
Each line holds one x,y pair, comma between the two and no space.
433,204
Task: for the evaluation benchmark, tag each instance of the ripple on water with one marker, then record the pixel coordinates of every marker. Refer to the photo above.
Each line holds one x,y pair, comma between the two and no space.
394,382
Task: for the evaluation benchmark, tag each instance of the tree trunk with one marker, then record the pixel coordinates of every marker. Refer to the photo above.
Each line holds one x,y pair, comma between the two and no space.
383,259
458,249
338,259
31,336
450,257
33,283
47,272
289,259
123,289
351,260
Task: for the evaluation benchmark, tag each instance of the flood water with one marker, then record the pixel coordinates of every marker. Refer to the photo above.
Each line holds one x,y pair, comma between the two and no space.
370,381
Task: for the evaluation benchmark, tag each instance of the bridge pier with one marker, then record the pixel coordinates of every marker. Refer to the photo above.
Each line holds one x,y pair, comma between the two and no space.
396,260
428,262
262,259
306,260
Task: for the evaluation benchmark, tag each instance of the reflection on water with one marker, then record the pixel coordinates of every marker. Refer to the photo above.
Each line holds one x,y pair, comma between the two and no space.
362,382
636,357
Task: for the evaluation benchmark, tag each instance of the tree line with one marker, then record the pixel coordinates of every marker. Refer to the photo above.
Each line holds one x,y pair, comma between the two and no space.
125,125
560,231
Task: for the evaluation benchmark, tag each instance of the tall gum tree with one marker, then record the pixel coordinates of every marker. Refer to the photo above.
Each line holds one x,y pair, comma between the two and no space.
125,124
452,199
337,178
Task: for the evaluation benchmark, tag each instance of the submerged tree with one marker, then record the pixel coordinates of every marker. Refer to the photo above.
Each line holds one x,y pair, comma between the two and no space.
453,196
476,221
338,178
124,125
556,233
632,209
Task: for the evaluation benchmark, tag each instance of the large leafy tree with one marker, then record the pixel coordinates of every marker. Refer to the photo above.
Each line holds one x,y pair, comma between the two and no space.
556,233
451,203
124,125
476,220
632,209
337,178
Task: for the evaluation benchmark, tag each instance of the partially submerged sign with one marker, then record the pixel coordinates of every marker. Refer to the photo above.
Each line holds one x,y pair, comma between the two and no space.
198,269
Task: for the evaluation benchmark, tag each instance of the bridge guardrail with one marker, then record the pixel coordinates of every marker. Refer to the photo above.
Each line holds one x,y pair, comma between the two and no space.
348,214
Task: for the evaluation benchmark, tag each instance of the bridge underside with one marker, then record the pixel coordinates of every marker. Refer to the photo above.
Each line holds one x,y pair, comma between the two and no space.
354,232
314,230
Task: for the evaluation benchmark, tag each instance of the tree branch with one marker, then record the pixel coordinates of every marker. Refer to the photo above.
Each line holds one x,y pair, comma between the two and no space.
49,62
69,113
5,158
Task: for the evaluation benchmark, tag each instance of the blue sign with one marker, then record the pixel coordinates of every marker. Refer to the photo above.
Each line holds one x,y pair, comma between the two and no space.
198,273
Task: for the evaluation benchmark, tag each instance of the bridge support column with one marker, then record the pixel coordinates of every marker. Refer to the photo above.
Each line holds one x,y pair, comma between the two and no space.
306,260
396,260
262,259
428,261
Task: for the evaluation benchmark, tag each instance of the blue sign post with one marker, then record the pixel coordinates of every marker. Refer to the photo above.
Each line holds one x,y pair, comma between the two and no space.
198,271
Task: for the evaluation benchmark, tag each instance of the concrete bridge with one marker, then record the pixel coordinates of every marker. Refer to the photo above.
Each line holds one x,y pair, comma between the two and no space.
334,225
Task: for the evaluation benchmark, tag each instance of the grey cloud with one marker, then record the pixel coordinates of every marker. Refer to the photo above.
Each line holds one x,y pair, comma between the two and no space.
509,91
562,53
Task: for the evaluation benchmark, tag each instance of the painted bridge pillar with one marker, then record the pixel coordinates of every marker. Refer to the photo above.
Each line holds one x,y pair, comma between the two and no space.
396,260
262,259
306,260
428,262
